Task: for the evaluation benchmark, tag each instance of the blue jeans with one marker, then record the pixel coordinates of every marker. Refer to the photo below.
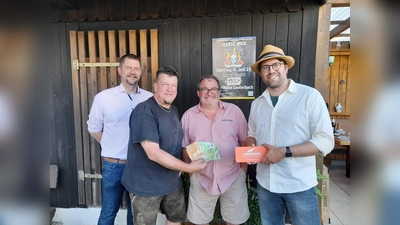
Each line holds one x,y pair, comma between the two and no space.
302,206
112,192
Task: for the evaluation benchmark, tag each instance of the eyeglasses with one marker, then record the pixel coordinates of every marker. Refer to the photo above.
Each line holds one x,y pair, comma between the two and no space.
275,66
205,90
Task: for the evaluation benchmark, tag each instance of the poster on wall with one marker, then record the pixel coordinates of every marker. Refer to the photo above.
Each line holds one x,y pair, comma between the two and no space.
231,62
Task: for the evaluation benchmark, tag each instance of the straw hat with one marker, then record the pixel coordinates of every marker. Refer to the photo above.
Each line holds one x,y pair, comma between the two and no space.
272,52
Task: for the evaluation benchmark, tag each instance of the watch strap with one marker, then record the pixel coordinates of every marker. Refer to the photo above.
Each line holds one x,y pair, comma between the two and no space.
288,152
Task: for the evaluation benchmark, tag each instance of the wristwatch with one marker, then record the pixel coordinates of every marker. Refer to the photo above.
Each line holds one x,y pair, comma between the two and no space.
288,152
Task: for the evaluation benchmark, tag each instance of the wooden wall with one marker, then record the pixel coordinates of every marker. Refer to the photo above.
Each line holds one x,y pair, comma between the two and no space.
339,84
184,43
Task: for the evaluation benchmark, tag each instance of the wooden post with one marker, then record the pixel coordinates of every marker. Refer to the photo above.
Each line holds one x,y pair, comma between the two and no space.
321,70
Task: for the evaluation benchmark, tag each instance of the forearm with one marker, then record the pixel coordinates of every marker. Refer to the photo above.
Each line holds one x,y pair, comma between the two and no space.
167,160
97,136
304,149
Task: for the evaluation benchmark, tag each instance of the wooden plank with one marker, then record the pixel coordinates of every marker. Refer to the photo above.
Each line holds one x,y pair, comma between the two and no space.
154,11
95,163
342,87
322,54
185,68
294,5
308,46
340,2
112,78
84,10
334,84
278,6
206,47
242,7
84,112
231,26
194,56
131,9
187,9
102,10
348,79
176,8
116,9
77,114
225,7
255,7
334,53
154,55
143,10
145,79
339,28
294,43
212,8
257,30
103,58
198,7
132,42
265,6
282,30
122,43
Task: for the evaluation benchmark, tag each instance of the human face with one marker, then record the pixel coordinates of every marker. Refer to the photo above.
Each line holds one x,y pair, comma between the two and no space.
208,99
130,72
165,89
274,79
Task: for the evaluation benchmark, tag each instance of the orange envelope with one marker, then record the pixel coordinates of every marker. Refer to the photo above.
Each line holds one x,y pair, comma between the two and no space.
250,153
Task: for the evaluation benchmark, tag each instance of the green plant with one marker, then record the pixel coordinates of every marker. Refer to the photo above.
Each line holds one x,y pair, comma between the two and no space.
255,217
320,177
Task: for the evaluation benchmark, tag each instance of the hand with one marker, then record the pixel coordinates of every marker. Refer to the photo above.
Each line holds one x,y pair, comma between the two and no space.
274,155
197,165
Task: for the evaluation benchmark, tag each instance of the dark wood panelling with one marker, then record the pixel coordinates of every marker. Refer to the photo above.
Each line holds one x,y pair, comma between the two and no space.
62,152
185,81
184,43
257,30
114,10
278,5
294,5
131,9
294,43
308,45
194,58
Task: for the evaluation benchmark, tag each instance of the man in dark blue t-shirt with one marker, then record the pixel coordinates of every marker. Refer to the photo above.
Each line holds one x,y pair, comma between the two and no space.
151,174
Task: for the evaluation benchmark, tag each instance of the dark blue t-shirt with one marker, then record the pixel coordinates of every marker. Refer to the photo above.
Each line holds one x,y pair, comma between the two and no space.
142,176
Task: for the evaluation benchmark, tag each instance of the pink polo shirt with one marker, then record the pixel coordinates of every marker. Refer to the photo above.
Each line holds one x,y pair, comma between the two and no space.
228,129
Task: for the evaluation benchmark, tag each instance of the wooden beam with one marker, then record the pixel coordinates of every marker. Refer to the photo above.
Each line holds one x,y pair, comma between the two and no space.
340,28
65,4
339,3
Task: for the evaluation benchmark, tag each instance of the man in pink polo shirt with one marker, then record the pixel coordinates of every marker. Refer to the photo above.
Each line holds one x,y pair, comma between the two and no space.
223,124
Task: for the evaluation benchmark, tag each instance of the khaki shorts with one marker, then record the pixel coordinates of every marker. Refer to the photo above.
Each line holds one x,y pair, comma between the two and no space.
146,208
233,202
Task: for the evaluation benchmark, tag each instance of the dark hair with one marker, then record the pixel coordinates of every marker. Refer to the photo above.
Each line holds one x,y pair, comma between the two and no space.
208,76
280,60
129,56
166,70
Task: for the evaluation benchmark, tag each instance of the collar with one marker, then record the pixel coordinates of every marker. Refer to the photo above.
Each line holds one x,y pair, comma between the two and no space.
121,89
292,89
221,105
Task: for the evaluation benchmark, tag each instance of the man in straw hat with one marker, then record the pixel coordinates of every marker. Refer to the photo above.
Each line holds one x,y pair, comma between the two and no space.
292,121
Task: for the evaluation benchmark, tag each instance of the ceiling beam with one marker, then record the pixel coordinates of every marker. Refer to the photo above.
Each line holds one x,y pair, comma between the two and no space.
66,4
339,3
333,22
340,28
